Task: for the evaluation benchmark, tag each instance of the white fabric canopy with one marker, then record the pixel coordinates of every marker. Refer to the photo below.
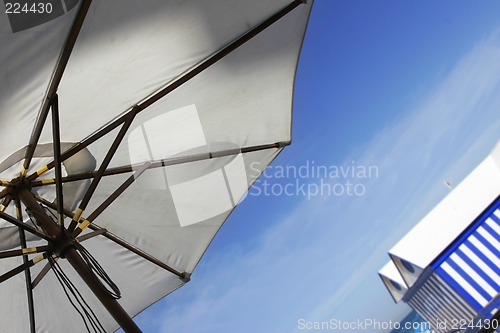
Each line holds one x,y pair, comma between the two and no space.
215,134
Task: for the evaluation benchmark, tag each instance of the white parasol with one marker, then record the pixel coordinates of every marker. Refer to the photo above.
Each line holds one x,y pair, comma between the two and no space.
131,129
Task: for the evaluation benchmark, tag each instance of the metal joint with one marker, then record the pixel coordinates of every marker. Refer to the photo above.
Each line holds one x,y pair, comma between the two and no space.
185,277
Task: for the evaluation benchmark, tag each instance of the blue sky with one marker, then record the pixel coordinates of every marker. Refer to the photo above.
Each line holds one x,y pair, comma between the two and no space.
409,87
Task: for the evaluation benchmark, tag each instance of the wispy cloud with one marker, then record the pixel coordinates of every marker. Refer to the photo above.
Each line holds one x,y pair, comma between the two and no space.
445,136
324,254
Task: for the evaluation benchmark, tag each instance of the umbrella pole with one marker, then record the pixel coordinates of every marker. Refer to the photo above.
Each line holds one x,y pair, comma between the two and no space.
75,259
111,304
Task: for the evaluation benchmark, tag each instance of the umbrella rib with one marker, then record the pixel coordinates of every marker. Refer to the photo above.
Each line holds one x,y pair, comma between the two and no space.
4,192
54,83
57,159
123,243
21,268
27,273
5,203
41,275
29,287
163,163
83,144
91,235
24,226
99,174
183,276
153,98
23,251
110,199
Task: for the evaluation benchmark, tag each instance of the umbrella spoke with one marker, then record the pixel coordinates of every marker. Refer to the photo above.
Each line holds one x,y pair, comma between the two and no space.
81,145
4,192
23,251
27,273
91,235
41,274
5,203
21,268
184,276
110,199
54,83
162,163
24,226
57,160
85,175
107,159
37,131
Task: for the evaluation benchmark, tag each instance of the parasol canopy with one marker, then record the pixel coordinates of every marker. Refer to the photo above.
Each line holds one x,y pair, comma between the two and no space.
131,130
